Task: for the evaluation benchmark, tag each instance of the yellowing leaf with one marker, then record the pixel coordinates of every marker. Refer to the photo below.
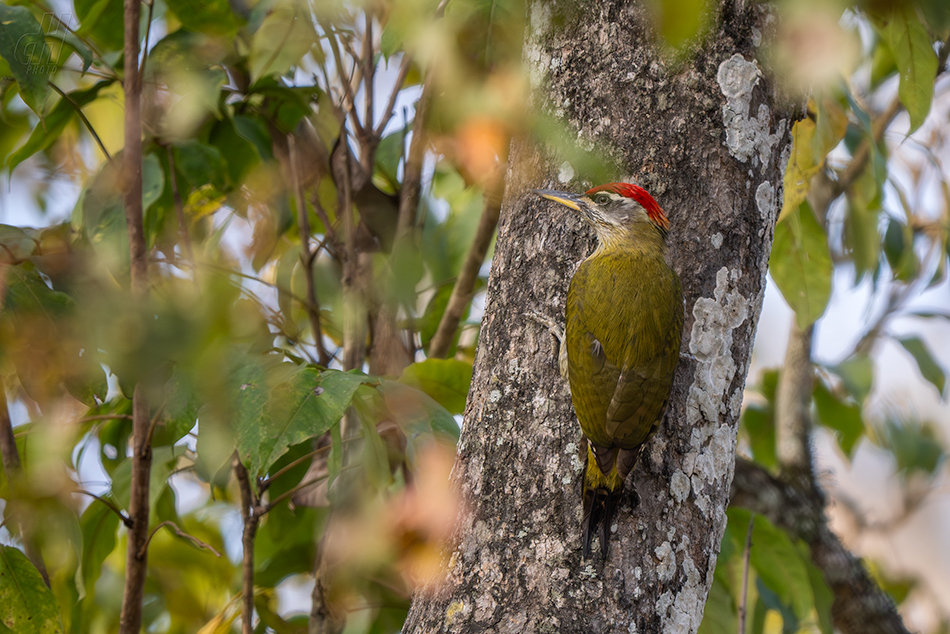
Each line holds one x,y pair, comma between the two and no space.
812,139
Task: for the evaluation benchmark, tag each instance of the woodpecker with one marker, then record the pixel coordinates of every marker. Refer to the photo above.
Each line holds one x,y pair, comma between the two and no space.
622,335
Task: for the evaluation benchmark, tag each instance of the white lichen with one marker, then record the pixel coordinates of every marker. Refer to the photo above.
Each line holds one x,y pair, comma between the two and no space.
747,137
716,240
566,173
712,444
494,396
679,486
666,566
765,199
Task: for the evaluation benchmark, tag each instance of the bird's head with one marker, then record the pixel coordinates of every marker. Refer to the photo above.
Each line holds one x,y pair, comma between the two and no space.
617,211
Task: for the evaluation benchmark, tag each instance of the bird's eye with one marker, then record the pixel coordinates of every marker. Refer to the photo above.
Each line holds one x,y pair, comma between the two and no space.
602,198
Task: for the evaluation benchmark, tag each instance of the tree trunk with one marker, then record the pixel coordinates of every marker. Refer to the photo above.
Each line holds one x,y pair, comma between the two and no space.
704,138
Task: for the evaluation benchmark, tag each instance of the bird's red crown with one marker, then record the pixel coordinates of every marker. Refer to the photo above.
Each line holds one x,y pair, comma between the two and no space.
641,196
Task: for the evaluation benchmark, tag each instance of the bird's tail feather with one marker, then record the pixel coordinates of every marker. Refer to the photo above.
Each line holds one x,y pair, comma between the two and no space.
603,486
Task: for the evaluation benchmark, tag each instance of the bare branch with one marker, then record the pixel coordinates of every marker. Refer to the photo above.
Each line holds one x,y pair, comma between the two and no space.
462,291
306,255
397,88
115,509
250,519
369,73
350,100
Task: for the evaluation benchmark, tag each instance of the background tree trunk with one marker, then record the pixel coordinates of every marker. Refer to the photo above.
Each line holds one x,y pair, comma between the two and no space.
704,138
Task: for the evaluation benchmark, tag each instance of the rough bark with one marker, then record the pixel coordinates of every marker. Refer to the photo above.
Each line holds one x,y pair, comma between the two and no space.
689,134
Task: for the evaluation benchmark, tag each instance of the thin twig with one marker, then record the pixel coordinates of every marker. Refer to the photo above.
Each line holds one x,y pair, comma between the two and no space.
746,557
462,291
389,112
369,73
266,482
86,419
153,424
266,508
306,255
115,509
347,90
85,121
197,542
148,32
12,469
250,519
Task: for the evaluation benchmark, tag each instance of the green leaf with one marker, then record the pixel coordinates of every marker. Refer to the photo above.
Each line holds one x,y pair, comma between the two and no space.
239,153
915,446
153,180
164,460
912,48
760,428
445,380
29,607
69,39
55,122
17,244
823,595
102,21
861,233
719,617
928,366
200,164
285,35
857,374
23,46
801,265
29,296
416,413
288,405
214,17
899,251
844,418
99,525
388,156
778,563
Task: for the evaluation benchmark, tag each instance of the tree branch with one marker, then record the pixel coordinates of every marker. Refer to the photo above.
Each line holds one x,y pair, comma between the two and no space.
860,606
250,519
307,256
197,542
130,621
82,117
462,291
112,507
793,401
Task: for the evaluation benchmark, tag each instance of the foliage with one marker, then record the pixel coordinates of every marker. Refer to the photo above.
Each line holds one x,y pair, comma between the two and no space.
294,281
297,277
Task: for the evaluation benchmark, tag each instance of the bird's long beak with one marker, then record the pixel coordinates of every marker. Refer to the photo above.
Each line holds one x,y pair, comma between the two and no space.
565,198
